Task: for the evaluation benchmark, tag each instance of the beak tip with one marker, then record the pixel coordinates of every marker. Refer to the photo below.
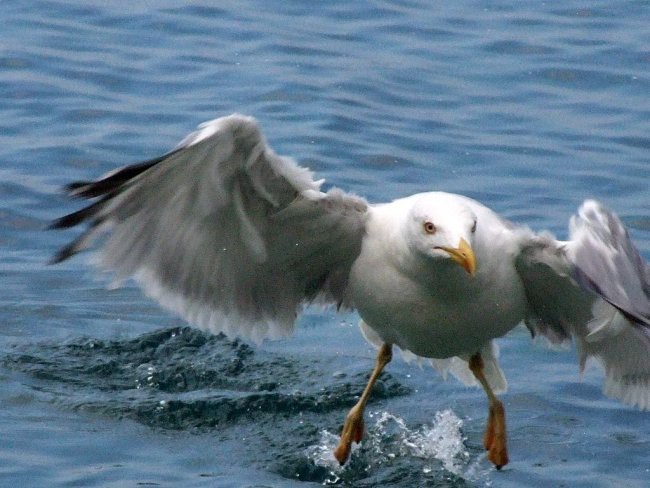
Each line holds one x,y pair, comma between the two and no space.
464,256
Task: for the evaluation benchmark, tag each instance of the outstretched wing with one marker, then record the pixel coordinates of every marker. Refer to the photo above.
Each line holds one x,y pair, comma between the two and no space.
223,231
594,288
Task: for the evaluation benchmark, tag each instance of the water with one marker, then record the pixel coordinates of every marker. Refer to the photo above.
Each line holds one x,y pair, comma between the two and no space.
528,106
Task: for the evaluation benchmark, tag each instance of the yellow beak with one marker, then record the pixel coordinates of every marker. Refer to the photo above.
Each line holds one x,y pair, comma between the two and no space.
463,255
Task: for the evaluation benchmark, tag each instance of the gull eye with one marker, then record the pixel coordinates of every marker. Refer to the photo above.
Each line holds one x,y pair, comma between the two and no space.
429,228
474,227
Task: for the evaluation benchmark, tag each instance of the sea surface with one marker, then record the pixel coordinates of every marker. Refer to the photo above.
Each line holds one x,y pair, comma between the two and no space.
530,107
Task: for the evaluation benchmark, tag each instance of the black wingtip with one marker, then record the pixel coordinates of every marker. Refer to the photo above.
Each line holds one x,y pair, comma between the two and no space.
105,188
77,217
77,245
65,222
112,181
73,189
62,254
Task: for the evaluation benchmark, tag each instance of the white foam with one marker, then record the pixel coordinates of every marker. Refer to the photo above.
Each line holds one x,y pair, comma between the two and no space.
388,437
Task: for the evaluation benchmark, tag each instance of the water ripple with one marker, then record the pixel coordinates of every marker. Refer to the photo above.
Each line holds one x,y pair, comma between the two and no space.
529,107
183,379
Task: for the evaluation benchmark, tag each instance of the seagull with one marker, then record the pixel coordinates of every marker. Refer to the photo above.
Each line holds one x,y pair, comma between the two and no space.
238,240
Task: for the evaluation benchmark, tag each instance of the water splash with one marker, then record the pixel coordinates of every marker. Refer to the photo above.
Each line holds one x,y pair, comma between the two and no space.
322,455
443,441
441,446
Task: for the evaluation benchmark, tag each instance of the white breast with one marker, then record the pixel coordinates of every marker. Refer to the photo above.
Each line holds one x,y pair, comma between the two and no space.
442,311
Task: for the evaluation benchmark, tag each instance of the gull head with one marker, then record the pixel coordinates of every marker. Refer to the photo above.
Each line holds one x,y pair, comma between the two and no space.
441,227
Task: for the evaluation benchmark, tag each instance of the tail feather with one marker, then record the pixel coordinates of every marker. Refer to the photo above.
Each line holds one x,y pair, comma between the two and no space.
459,368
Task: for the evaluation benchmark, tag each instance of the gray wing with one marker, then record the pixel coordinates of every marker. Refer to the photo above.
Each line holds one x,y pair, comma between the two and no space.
594,288
223,231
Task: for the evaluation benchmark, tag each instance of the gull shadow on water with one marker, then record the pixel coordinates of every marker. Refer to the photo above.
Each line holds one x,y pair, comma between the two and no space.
180,379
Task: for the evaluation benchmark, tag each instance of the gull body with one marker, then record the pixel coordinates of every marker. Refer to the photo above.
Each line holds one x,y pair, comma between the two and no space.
237,239
424,302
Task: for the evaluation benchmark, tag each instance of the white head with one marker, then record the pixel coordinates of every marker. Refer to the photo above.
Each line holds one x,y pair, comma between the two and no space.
442,226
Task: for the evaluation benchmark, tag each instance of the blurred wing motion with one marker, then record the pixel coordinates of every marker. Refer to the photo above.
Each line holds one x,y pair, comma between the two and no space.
223,231
594,288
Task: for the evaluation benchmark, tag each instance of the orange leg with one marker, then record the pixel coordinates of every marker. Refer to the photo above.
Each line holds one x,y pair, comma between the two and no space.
353,427
495,433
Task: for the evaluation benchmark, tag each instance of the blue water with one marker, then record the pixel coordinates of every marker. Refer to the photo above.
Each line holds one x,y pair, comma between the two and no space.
529,107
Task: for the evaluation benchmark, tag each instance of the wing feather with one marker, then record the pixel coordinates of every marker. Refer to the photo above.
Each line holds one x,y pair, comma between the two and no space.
594,289
224,231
